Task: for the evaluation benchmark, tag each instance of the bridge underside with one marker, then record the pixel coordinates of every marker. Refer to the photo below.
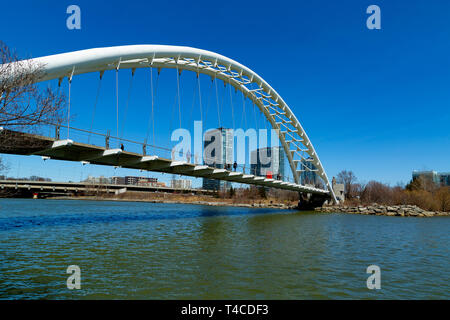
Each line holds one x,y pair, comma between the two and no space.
13,142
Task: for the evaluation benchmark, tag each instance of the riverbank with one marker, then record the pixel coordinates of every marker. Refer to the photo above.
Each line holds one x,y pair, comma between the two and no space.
383,210
185,199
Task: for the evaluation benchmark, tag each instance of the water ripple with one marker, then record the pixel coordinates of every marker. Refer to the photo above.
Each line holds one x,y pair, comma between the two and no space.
157,251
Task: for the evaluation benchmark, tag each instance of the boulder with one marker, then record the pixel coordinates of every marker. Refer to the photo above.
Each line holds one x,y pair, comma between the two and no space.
413,213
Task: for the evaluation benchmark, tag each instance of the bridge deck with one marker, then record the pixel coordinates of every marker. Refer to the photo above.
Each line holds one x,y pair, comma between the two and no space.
13,142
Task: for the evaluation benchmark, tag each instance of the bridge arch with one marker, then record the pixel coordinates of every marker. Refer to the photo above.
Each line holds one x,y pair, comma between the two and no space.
292,136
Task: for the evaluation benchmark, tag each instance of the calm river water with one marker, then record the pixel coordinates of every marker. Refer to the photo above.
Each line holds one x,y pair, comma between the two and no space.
130,250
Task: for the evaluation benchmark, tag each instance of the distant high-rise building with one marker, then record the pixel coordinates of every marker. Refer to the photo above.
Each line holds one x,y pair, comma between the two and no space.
438,178
268,161
307,175
428,175
444,178
218,152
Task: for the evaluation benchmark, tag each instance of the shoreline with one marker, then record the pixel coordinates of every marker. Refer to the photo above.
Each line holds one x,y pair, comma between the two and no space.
197,202
374,209
383,210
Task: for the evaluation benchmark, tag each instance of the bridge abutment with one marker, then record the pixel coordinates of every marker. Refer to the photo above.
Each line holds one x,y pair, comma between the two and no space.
308,201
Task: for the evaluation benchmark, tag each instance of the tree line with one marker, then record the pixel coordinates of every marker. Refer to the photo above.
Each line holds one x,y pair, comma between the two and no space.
420,191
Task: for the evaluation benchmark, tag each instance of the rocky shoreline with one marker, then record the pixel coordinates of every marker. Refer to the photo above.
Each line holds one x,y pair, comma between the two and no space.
382,210
228,204
206,203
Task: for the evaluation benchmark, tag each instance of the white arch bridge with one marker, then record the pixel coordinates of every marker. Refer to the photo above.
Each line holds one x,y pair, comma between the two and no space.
292,136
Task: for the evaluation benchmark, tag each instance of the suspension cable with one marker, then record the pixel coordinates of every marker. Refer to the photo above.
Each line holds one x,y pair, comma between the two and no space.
254,114
117,100
194,94
264,119
153,101
117,96
68,111
95,104
232,108
209,99
200,97
173,111
179,97
222,100
243,119
58,94
153,93
217,100
128,102
254,110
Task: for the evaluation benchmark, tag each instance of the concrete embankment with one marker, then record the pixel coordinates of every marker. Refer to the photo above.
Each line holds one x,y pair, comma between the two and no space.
382,210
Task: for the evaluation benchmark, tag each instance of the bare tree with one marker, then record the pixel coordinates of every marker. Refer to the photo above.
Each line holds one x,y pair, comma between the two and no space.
443,198
357,189
347,178
377,192
22,103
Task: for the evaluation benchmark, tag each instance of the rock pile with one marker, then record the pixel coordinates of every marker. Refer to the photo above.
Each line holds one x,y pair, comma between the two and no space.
382,210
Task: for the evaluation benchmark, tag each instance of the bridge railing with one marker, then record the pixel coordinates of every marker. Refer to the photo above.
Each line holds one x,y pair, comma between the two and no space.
108,141
104,140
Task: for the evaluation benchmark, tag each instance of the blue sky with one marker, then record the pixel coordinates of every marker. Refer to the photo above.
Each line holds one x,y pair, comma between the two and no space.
373,101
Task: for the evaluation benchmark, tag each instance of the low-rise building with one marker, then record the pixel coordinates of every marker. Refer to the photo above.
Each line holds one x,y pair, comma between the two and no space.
118,180
97,180
339,190
147,181
135,181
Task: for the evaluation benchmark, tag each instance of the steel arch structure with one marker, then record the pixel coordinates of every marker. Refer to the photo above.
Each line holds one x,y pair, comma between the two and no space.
292,136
